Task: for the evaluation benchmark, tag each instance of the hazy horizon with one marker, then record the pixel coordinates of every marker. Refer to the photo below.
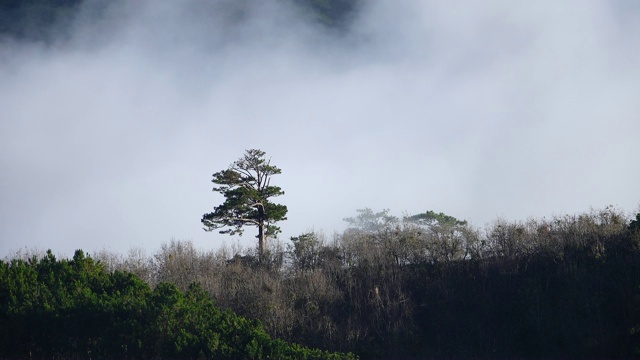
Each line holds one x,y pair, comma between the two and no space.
479,110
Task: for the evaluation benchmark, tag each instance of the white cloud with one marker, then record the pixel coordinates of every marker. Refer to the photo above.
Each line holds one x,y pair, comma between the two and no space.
475,109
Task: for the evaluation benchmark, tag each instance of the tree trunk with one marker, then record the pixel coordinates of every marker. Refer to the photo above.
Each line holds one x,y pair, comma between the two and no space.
262,242
262,237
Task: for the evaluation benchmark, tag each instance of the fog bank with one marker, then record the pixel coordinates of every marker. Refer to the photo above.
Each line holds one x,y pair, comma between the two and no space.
109,140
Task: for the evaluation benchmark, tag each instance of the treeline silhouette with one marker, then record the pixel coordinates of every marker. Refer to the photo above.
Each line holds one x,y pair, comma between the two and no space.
427,286
431,286
74,309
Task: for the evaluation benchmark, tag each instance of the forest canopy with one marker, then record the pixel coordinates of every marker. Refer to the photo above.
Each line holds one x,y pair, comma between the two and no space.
76,309
430,286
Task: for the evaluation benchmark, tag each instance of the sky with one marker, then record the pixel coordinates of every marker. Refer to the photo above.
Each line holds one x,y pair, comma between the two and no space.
482,110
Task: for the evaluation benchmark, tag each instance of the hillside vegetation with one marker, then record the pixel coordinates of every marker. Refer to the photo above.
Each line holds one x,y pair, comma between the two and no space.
68,309
428,286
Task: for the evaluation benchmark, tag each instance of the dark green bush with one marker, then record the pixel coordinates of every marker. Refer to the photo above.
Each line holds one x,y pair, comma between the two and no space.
75,309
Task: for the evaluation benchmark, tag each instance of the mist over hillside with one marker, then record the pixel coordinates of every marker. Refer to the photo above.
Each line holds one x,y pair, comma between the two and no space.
115,116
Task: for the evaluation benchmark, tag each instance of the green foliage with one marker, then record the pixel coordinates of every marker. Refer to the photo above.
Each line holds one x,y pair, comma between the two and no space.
305,251
430,218
75,309
566,287
246,186
331,13
369,221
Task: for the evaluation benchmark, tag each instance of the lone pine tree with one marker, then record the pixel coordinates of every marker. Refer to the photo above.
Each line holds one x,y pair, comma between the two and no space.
246,186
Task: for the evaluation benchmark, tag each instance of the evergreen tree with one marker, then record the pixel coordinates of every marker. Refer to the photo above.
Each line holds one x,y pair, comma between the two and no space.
246,186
